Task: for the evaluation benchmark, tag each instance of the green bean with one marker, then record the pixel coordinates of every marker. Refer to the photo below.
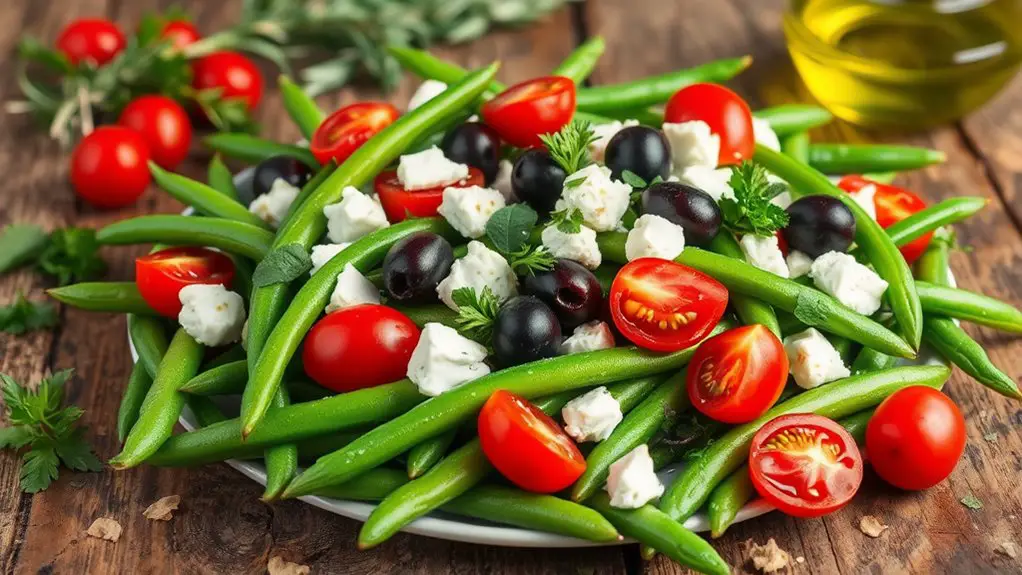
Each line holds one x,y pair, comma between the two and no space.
226,379
645,116
881,177
253,150
796,146
656,89
969,306
870,360
874,241
794,118
834,400
230,236
749,309
436,313
138,386
220,178
205,410
580,63
163,403
108,297
425,455
149,337
302,109
859,158
203,198
931,218
656,529
310,188
281,460
429,67
234,353
843,346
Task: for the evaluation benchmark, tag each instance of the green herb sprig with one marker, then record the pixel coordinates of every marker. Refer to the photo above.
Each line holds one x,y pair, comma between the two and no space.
750,210
476,313
24,315
568,221
570,146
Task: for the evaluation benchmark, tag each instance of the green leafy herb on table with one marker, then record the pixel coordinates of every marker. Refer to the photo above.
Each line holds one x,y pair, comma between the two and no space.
23,316
570,147
47,432
476,313
20,244
750,210
72,255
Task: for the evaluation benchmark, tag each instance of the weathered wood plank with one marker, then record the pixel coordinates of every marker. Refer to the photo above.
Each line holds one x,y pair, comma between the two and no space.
995,134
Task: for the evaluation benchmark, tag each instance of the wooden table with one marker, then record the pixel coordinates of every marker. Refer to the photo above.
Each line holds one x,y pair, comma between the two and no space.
223,528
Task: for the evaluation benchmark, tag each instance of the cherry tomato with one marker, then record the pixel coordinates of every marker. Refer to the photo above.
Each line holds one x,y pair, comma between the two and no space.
524,111
726,113
892,204
233,74
164,126
805,465
527,446
359,346
344,131
92,40
915,438
664,306
181,34
738,375
109,167
399,203
161,275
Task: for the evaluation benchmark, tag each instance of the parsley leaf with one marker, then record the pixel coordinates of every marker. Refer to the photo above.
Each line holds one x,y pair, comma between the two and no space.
476,313
282,265
568,221
570,147
20,244
39,468
72,255
509,227
529,260
24,316
750,211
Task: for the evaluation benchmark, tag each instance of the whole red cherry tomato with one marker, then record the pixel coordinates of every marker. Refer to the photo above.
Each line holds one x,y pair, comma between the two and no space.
892,204
92,40
164,126
233,74
161,275
109,167
525,111
181,34
725,112
342,132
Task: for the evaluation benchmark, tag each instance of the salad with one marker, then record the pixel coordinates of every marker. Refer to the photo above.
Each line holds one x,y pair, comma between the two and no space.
518,303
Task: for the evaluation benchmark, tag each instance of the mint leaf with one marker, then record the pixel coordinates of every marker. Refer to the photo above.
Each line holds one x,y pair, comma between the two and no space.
72,255
39,468
750,210
476,313
570,146
20,244
23,316
568,221
810,308
282,265
509,227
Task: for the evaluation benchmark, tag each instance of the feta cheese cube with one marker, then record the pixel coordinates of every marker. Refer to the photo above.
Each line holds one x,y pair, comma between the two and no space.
581,247
813,359
764,252
654,237
425,92
352,289
632,482
481,267
864,197
850,282
765,135
444,359
211,314
355,216
799,264
692,144
602,200
502,182
273,206
429,169
603,133
592,336
591,416
468,209
323,253
709,180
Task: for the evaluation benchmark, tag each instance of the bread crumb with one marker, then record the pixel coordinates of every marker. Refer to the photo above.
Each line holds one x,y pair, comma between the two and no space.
279,566
1008,549
767,558
871,526
105,528
163,509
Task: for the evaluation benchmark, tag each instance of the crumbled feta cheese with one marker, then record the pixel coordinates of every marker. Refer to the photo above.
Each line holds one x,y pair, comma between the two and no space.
481,267
601,199
352,289
654,237
429,169
782,200
798,264
864,197
323,253
592,416
764,252
765,135
632,482
692,144
444,359
603,133
356,215
273,206
813,359
502,182
850,282
468,209
211,314
709,180
592,336
581,247
426,91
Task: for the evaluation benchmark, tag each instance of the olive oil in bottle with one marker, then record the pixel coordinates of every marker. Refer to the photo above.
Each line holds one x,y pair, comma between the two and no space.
904,63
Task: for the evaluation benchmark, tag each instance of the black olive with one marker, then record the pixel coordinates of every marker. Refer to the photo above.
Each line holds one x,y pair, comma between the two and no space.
526,330
476,145
571,291
415,265
691,208
269,170
819,224
641,150
538,180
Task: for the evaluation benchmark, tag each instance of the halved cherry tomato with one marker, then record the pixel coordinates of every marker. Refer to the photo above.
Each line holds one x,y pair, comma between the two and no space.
738,375
360,346
93,40
726,113
527,446
399,203
524,111
344,131
181,34
892,204
164,126
915,438
234,75
109,167
805,465
161,275
664,306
